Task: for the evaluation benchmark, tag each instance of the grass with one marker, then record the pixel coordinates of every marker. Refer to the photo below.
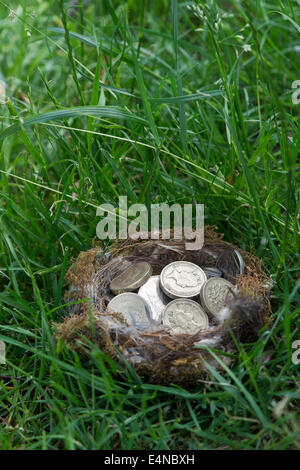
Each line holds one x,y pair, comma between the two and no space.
194,105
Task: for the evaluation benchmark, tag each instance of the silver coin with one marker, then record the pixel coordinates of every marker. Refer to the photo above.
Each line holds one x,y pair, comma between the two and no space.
241,261
131,278
184,316
154,296
230,263
182,279
214,294
134,309
210,271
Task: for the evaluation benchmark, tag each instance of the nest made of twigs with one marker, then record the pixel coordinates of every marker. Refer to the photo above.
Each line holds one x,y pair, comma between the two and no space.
154,352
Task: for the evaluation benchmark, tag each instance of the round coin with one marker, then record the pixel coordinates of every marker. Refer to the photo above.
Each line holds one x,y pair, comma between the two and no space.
131,278
214,293
154,296
184,316
210,271
133,307
182,279
230,263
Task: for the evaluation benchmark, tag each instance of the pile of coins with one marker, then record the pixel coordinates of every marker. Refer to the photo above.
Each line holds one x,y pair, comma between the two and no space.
183,297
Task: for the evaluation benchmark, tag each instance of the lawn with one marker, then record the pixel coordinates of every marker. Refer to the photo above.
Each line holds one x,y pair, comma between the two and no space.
160,101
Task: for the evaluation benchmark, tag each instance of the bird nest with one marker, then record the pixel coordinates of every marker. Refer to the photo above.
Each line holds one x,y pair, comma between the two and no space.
153,351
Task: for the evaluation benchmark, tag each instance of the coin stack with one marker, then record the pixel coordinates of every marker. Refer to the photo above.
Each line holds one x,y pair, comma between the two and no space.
183,297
